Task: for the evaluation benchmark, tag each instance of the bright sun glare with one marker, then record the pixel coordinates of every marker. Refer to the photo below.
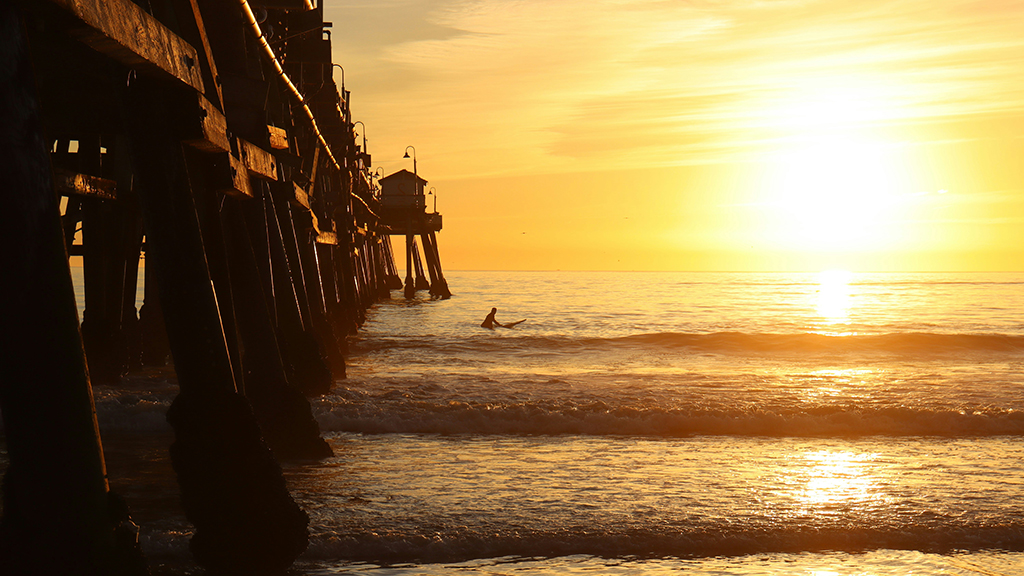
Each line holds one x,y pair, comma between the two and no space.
834,193
831,184
834,296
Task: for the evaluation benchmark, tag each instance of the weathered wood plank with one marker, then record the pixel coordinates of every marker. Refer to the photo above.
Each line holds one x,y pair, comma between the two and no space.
228,175
239,178
205,128
301,198
327,238
66,182
278,138
258,161
125,32
192,28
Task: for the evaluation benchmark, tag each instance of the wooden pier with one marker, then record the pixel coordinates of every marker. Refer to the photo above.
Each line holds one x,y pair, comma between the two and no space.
209,138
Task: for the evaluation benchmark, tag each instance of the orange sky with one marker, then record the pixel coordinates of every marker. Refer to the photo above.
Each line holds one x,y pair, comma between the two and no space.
725,135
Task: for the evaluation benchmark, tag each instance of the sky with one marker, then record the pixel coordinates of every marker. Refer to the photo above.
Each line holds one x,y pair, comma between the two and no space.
723,135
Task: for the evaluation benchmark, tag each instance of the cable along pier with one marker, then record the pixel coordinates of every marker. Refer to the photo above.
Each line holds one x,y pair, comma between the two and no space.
210,136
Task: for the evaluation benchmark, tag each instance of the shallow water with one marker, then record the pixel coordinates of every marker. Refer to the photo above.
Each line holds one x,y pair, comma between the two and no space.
651,423
441,498
875,563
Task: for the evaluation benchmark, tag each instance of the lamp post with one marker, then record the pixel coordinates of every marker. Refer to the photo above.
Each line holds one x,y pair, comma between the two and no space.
378,174
363,132
432,192
342,79
407,148
410,285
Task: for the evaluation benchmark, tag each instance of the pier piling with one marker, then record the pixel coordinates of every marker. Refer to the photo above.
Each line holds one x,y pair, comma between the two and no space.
175,130
57,516
218,446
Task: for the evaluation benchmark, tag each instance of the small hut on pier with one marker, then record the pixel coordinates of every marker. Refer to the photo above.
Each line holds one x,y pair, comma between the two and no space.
404,212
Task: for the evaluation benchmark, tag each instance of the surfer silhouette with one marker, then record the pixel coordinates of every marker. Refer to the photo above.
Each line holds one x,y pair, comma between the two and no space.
490,322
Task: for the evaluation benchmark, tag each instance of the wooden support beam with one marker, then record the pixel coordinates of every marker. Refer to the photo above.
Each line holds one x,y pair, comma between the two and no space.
327,238
442,289
335,314
245,104
428,257
104,268
410,285
421,279
218,444
278,138
344,268
75,90
228,175
57,516
155,347
380,269
204,127
290,243
208,205
307,370
313,280
126,33
285,415
301,198
258,161
67,183
69,221
394,282
194,31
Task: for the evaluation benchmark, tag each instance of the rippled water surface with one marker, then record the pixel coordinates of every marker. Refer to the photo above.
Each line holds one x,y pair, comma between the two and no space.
650,423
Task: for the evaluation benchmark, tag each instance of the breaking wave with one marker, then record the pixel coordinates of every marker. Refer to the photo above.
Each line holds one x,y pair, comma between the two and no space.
603,419
662,541
731,343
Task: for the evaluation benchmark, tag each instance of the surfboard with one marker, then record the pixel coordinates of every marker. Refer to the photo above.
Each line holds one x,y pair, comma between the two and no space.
511,324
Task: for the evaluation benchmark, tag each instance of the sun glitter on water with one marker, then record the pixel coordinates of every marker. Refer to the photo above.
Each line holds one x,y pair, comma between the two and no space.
836,480
834,300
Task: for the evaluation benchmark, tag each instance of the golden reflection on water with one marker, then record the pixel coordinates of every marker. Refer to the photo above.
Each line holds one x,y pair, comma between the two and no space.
834,296
837,480
830,383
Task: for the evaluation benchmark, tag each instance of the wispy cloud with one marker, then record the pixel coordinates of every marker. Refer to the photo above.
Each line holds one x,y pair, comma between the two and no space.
501,86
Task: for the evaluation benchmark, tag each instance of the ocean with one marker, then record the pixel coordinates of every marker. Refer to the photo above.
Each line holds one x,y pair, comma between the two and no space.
650,423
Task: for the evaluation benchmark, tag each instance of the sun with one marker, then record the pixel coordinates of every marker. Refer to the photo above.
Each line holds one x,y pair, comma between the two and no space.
834,180
833,192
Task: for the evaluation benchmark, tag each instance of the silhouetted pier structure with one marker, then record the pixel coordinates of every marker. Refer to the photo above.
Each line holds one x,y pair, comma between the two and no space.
404,213
210,136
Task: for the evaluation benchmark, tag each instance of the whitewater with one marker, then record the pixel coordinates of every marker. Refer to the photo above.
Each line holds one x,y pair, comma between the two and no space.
650,423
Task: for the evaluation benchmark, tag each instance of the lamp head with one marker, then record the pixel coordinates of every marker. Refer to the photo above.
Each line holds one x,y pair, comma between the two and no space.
406,154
